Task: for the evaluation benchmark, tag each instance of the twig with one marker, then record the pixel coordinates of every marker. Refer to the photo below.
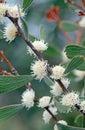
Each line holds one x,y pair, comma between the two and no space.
4,72
39,55
28,85
79,35
77,5
13,70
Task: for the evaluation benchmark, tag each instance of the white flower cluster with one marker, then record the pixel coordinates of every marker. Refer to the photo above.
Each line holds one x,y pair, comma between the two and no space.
82,106
39,69
70,99
14,11
39,45
44,101
10,32
82,22
46,116
56,88
3,8
28,98
58,72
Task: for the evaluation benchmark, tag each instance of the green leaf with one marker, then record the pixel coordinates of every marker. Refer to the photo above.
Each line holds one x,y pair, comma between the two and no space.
79,120
48,81
26,4
69,26
63,127
52,51
42,32
9,111
61,108
81,67
10,83
74,50
74,63
25,27
1,34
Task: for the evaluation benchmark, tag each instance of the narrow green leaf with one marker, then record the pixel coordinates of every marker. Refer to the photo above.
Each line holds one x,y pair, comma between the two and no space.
25,27
69,26
26,4
74,63
63,127
79,120
52,51
74,50
42,32
81,67
48,81
10,83
9,111
1,34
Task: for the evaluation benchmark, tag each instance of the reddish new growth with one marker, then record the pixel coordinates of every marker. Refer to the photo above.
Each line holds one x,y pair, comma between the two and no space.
81,13
53,14
2,1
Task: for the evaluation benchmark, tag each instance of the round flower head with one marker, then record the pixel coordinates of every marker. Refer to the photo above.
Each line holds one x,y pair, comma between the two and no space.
15,12
3,8
47,116
10,32
58,72
62,122
44,101
56,88
82,106
70,99
28,98
38,45
39,69
82,22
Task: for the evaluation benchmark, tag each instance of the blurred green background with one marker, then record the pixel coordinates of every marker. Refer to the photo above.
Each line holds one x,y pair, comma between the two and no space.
17,54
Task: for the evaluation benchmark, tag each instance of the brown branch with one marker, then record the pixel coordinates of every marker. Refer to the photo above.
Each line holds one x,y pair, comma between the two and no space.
76,5
79,35
13,70
4,72
39,55
28,85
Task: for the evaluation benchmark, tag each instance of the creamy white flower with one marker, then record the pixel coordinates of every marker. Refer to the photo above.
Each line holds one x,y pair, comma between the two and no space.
39,69
15,12
79,73
82,22
3,8
82,106
38,45
47,116
62,122
58,72
70,99
56,88
56,127
44,101
28,98
10,32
